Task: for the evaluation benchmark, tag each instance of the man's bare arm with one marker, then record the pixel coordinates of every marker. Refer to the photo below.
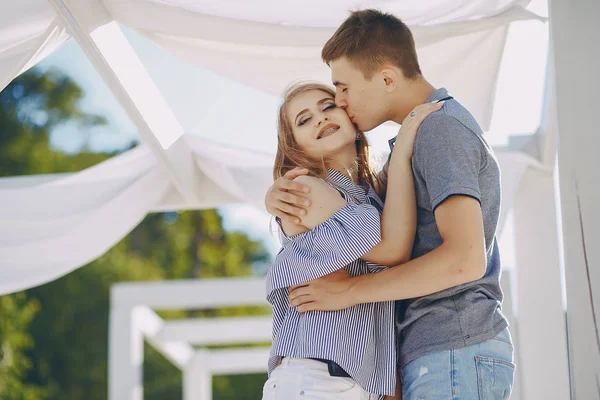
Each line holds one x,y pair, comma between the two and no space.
460,259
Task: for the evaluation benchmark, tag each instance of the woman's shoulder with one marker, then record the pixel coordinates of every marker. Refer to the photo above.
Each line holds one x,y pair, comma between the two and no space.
319,189
310,180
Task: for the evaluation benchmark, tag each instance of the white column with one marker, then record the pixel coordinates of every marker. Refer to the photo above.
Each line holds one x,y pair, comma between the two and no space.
197,378
125,356
575,39
508,309
541,335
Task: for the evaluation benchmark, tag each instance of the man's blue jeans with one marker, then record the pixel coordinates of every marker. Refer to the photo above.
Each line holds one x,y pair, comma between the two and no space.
483,371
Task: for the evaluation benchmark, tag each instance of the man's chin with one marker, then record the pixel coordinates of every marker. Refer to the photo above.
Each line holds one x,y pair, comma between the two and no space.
360,126
363,127
369,126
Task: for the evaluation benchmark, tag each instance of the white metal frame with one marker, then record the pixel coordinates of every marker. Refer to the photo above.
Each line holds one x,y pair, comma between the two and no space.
132,321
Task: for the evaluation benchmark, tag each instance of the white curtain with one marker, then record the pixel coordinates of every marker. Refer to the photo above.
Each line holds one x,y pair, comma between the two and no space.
53,224
29,31
267,45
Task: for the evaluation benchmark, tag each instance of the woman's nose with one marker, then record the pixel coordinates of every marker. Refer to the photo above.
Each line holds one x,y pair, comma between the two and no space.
321,120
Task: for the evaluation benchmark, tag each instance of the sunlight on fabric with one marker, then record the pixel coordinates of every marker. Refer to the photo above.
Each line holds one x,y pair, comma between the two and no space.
134,78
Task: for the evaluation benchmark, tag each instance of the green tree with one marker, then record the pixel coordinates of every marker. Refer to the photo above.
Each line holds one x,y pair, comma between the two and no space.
30,107
17,312
61,351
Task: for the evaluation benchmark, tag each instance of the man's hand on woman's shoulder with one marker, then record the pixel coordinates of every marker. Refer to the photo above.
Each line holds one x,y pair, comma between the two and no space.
286,199
325,201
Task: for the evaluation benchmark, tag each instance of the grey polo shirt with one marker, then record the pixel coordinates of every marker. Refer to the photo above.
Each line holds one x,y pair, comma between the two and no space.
451,157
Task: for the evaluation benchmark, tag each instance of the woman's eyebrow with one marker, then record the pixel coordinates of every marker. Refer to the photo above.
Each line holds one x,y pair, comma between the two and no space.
323,100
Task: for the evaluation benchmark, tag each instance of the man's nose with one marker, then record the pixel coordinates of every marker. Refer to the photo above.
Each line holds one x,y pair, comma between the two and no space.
341,103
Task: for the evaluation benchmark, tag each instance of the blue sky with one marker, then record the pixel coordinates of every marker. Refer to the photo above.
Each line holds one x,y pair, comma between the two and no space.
222,110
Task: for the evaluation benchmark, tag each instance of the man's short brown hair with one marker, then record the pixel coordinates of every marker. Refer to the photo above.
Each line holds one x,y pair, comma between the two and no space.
371,38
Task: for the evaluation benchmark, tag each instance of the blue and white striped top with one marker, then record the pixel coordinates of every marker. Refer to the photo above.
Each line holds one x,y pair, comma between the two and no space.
360,338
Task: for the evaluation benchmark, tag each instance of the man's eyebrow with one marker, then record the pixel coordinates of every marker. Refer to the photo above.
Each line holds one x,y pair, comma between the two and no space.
338,83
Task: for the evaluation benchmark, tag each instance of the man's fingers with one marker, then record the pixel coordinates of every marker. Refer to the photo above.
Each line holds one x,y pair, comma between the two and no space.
287,217
285,207
292,199
284,184
296,287
312,306
296,172
299,301
296,292
291,210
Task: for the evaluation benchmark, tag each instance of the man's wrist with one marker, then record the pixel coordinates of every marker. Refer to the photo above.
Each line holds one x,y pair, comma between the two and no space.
355,290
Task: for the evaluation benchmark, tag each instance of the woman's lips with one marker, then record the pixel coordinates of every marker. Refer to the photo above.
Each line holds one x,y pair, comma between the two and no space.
328,130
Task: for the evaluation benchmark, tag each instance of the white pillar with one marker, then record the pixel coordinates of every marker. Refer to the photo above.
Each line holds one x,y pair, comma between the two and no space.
575,39
506,282
125,356
541,335
197,378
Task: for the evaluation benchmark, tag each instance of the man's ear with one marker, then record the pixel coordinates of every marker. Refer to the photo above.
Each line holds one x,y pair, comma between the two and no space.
389,78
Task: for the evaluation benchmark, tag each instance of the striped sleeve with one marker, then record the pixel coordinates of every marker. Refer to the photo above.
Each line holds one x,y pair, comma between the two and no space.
346,236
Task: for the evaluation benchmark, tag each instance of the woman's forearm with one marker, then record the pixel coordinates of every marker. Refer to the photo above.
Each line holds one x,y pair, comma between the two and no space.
398,220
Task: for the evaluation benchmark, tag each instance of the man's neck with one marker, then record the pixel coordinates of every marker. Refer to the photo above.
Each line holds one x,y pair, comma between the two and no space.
414,94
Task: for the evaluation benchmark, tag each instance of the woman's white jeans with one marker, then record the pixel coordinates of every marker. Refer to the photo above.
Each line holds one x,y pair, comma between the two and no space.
304,379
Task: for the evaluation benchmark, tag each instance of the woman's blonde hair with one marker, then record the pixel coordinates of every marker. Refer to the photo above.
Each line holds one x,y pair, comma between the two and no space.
290,155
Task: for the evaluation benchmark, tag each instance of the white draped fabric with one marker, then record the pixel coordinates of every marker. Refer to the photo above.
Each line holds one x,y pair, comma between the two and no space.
50,225
29,31
54,224
269,49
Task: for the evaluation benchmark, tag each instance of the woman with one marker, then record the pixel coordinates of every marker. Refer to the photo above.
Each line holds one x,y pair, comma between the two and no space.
347,354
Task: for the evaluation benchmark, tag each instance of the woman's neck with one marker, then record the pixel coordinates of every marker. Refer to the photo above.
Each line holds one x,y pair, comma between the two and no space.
346,165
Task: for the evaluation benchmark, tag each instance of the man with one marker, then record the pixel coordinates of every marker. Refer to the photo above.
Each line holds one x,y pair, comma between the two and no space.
453,339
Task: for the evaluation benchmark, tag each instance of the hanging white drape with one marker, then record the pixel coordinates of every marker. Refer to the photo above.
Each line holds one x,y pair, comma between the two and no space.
268,45
29,31
51,225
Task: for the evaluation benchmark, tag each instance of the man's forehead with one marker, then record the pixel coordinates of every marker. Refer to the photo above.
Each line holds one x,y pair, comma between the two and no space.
342,72
338,78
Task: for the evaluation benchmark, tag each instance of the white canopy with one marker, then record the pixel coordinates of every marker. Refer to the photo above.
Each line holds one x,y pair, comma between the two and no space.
263,44
266,45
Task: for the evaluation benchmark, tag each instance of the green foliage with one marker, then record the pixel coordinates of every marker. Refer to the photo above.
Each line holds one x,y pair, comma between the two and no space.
53,338
17,311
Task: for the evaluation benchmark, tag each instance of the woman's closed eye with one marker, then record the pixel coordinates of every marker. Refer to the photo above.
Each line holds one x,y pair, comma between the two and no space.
326,107
303,121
